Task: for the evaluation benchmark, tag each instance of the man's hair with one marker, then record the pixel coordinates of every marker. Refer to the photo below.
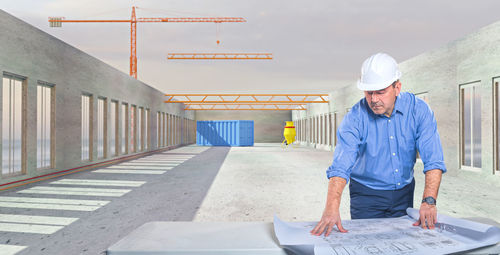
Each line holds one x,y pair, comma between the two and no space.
394,83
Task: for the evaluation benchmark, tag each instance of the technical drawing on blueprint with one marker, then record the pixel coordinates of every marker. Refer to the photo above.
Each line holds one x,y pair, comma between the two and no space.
390,236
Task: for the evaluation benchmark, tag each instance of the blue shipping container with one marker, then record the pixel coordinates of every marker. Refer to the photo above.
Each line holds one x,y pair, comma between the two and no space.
224,133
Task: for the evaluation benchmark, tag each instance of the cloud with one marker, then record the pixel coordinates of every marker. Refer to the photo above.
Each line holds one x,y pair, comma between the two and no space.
317,44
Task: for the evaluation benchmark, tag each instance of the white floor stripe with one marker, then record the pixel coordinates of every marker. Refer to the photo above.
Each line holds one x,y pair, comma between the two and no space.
76,191
116,171
172,154
81,189
31,219
29,228
148,164
84,208
54,201
140,167
72,193
10,249
156,162
168,157
98,182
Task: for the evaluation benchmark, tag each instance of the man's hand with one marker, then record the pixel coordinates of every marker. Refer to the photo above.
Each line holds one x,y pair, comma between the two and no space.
428,216
331,215
329,219
428,213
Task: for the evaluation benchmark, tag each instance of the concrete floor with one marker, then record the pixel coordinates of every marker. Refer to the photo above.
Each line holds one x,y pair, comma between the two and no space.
195,184
257,182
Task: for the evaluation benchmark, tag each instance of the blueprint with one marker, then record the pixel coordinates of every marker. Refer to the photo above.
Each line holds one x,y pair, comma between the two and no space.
390,236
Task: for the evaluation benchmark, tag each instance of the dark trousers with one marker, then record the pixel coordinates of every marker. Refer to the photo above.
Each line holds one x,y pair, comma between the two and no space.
369,203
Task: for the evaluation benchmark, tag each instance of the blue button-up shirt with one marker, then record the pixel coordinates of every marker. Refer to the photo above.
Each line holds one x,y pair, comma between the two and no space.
379,151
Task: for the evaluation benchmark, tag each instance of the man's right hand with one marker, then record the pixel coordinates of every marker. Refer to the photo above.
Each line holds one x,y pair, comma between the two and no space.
329,219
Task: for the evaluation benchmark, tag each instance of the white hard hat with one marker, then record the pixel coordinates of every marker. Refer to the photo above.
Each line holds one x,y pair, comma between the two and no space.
378,72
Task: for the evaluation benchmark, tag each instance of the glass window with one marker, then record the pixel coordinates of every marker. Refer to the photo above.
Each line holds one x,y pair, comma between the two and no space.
12,125
44,125
304,129
86,127
113,127
297,129
317,129
320,129
101,127
325,129
169,130
330,134
165,129
140,128
186,130
174,129
147,128
159,128
470,98
133,129
183,129
497,123
308,120
124,140
312,129
179,129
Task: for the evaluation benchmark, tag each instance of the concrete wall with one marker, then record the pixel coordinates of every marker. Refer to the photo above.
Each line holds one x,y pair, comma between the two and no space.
35,55
268,125
439,73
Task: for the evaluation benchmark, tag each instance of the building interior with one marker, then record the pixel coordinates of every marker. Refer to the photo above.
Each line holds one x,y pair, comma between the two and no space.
91,153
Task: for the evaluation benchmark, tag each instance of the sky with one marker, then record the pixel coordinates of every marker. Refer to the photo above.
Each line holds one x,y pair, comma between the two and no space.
318,46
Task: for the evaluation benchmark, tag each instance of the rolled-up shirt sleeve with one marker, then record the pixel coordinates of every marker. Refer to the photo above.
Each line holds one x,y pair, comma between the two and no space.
347,149
428,141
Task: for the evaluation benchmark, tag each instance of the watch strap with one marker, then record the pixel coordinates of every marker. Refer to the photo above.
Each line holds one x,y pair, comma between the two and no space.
429,200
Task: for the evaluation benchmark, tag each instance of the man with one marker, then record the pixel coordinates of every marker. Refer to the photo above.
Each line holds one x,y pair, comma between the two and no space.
376,150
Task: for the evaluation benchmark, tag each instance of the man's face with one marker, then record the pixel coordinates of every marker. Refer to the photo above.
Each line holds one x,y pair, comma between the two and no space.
382,101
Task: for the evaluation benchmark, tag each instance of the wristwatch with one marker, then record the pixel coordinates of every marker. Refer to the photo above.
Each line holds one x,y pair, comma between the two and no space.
429,201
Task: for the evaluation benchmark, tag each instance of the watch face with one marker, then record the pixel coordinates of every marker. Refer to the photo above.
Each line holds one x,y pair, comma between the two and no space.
429,200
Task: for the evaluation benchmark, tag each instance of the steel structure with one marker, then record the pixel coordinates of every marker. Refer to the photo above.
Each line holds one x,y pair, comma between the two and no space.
195,56
270,102
247,98
244,107
57,22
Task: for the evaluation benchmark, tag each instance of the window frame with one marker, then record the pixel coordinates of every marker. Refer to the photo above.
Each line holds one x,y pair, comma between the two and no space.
140,128
147,126
24,90
124,136
461,128
133,128
116,129
52,124
496,125
104,127
91,127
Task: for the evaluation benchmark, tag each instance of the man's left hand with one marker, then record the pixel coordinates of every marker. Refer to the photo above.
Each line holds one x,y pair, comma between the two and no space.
428,216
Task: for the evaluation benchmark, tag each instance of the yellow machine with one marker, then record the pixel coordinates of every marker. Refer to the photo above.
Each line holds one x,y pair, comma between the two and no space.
289,134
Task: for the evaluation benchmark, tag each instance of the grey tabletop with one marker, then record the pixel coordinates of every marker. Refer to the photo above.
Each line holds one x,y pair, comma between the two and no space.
239,238
200,238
